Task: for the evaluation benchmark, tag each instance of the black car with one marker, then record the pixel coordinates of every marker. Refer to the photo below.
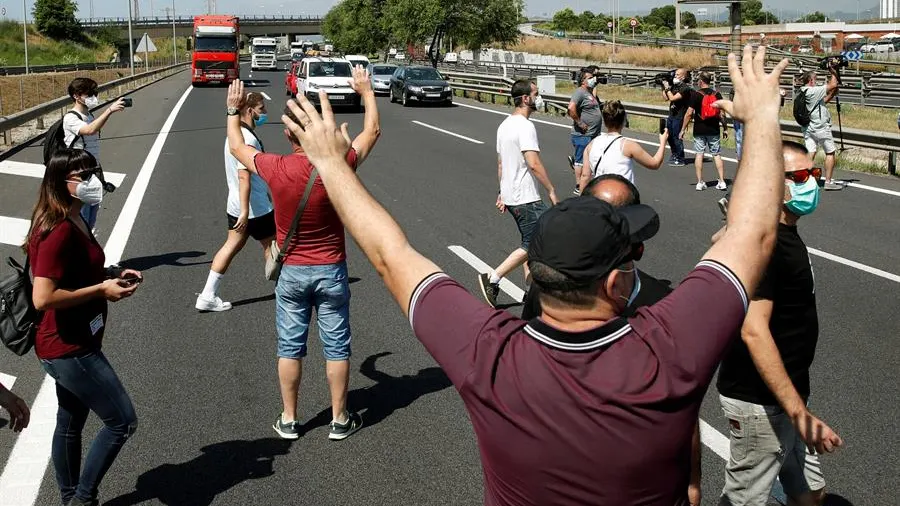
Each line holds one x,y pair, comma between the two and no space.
420,84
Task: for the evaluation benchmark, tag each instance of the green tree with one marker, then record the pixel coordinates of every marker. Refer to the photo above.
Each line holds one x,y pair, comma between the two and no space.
815,17
566,20
665,17
56,19
354,27
472,23
752,13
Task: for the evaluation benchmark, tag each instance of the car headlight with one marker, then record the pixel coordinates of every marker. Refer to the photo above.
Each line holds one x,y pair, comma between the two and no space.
416,89
447,88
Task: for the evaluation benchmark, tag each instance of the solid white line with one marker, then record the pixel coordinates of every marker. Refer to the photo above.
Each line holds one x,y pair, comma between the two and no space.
507,286
21,480
7,381
463,137
37,170
856,265
13,230
874,189
265,96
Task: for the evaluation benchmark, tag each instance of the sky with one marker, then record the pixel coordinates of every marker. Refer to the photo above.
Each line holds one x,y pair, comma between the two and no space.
119,8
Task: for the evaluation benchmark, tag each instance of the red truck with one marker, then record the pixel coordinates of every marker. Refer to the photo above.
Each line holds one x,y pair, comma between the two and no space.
215,58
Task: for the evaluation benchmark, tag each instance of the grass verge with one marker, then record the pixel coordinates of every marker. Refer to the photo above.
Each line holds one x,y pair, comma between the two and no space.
45,51
667,57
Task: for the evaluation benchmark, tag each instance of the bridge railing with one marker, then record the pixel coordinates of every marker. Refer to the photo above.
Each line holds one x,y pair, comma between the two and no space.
189,20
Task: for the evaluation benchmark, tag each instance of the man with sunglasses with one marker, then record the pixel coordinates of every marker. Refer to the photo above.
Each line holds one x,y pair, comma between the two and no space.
764,380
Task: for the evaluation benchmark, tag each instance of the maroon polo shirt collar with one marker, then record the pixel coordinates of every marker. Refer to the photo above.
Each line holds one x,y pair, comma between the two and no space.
587,340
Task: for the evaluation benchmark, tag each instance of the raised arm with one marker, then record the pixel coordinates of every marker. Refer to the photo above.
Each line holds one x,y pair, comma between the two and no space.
755,205
634,151
239,149
95,126
365,141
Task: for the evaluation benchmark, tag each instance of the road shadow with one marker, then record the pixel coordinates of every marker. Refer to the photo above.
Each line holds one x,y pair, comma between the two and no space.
174,259
197,482
836,500
388,394
253,300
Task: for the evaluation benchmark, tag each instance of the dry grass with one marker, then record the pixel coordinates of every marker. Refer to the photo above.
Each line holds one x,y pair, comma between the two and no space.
641,56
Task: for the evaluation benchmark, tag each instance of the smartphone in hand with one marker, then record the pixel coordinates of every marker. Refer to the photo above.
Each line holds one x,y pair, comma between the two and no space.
662,126
131,279
127,102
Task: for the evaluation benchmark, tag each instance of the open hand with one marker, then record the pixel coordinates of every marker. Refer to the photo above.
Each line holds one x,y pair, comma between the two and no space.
319,135
241,224
19,415
756,93
235,97
500,205
360,81
819,437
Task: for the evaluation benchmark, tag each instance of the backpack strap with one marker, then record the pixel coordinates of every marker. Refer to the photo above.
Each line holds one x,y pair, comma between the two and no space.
604,152
77,135
261,145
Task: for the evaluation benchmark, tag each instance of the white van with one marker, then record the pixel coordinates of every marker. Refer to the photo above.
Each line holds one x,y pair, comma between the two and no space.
357,59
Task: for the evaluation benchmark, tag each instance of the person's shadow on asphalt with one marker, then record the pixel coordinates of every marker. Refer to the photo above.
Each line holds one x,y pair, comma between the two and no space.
197,482
388,394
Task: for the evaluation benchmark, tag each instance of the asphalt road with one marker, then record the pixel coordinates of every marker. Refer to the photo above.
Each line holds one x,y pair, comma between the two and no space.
204,385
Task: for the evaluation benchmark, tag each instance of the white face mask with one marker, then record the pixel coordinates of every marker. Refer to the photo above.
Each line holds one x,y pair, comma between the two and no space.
91,102
89,192
676,80
538,102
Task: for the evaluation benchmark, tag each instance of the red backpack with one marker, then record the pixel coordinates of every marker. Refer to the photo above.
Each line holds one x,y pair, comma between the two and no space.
707,111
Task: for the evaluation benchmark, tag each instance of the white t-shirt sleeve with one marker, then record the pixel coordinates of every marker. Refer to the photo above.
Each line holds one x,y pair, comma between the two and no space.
815,94
528,140
72,124
250,140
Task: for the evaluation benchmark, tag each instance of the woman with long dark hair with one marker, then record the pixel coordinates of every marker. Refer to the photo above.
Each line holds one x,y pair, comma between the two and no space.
71,288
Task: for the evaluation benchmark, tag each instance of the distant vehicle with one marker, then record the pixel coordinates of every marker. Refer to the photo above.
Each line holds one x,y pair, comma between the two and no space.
215,55
884,46
290,80
451,58
420,84
262,53
328,47
867,48
381,76
329,74
357,59
805,50
297,49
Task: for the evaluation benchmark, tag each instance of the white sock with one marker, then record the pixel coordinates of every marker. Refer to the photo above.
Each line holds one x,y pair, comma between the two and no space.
494,278
212,284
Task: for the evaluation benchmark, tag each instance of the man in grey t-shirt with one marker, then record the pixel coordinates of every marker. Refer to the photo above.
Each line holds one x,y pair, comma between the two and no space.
587,121
818,132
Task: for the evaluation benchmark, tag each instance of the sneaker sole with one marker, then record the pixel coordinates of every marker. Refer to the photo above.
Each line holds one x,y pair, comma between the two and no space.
218,309
285,435
344,435
484,292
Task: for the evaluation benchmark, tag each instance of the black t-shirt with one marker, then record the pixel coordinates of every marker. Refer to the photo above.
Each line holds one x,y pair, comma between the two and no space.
677,108
708,126
652,291
789,283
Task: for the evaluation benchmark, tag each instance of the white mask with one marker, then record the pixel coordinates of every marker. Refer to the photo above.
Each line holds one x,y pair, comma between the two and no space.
676,80
539,102
89,192
91,102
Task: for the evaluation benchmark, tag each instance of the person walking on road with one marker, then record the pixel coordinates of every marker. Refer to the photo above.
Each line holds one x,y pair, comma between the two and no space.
519,169
587,121
611,153
818,131
19,414
764,380
249,207
81,130
678,94
314,274
707,136
72,288
532,389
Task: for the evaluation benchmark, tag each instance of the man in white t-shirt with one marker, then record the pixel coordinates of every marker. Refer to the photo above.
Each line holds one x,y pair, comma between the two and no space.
818,132
519,169
249,208
82,130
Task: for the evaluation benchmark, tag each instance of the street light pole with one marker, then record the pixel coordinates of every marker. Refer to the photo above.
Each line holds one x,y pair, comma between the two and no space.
130,40
174,44
25,31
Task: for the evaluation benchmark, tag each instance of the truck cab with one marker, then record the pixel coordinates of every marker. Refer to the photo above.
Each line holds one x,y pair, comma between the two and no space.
262,53
215,55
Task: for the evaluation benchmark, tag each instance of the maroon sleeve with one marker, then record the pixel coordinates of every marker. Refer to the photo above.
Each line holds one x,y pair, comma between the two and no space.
352,157
458,330
267,165
47,261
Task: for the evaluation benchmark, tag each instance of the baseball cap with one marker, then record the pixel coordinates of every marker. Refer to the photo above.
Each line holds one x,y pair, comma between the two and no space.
585,238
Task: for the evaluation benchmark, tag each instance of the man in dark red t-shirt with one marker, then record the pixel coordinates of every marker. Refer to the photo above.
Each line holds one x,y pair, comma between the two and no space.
314,274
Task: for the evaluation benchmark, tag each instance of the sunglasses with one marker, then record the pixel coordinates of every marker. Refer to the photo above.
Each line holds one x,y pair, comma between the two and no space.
802,175
85,174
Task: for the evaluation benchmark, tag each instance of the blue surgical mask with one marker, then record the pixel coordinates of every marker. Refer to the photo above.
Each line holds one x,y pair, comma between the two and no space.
804,196
592,82
634,291
261,119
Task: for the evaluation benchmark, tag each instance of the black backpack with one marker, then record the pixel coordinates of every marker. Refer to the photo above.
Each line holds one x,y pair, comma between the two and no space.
54,140
801,112
18,318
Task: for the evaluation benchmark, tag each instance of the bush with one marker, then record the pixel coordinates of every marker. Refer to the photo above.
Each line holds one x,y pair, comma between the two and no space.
56,19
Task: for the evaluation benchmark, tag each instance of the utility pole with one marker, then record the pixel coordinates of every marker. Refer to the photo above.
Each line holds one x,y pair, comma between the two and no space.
25,31
137,8
677,20
130,40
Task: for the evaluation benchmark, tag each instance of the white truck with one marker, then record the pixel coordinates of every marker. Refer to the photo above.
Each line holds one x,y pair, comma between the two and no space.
297,49
262,53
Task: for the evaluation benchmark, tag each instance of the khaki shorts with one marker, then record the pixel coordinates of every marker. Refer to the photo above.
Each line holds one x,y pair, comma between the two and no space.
765,446
813,139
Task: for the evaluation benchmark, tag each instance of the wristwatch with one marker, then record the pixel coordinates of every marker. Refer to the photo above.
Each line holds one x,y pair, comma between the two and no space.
232,111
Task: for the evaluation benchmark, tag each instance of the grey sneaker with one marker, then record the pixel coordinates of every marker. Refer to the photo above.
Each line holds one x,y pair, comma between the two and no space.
832,186
723,205
341,431
488,289
287,430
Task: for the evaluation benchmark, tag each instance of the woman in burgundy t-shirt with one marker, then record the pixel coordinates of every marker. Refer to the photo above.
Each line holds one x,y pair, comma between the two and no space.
71,289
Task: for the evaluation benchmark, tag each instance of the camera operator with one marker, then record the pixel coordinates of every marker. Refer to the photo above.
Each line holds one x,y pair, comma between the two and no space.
678,94
818,132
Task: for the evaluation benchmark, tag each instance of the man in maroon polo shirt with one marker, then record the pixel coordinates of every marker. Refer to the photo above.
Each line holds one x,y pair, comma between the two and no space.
581,406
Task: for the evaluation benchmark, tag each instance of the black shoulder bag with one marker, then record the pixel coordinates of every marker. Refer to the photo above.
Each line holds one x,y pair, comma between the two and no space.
18,318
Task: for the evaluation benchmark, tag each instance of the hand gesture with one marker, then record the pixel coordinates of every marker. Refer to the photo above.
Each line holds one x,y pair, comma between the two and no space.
115,290
756,93
19,415
319,135
500,205
818,436
360,81
118,105
235,97
241,225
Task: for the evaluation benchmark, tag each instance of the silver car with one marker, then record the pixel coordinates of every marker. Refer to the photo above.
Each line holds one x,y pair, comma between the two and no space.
380,74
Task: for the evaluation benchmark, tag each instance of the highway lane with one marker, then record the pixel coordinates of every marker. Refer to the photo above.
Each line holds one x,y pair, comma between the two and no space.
204,385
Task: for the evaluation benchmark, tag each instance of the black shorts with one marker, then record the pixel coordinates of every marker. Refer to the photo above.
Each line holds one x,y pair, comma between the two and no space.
258,228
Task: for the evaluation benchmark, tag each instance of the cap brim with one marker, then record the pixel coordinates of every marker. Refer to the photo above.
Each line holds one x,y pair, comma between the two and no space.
643,222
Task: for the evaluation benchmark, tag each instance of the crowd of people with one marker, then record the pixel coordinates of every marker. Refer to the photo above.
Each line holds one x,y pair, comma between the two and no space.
567,401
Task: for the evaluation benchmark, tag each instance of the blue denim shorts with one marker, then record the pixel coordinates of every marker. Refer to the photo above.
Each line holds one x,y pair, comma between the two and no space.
301,288
707,143
526,216
579,142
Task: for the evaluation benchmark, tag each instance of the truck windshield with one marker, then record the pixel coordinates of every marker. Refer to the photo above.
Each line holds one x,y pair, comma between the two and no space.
329,69
264,49
223,44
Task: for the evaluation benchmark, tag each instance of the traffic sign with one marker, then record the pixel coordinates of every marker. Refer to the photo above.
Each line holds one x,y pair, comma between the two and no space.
609,24
145,45
852,55
633,22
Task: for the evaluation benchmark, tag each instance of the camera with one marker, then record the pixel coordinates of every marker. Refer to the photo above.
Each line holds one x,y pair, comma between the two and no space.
833,62
108,187
664,77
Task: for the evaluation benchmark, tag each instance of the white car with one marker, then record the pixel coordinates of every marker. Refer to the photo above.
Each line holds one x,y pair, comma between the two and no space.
357,59
329,74
380,74
884,46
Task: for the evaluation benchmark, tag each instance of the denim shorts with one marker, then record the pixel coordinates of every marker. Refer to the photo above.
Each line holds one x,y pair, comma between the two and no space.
707,143
301,288
579,142
526,216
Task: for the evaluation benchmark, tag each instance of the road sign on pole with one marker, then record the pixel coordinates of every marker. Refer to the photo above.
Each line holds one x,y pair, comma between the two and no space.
852,55
633,23
146,46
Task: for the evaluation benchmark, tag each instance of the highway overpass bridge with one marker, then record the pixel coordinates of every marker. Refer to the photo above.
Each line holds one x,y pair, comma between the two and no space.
251,26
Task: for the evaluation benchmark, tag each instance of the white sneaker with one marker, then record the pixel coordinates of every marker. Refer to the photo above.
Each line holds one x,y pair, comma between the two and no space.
215,304
721,185
701,186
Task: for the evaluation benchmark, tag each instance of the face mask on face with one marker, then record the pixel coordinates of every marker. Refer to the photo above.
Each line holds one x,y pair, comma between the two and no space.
261,119
804,197
537,102
592,82
634,291
91,102
89,192
677,80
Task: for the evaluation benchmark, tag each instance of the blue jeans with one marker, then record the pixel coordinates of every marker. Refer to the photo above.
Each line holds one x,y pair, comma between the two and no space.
675,144
579,142
83,384
526,216
89,213
299,289
738,138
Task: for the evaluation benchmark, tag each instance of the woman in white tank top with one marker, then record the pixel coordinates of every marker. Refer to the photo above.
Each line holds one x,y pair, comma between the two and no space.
611,153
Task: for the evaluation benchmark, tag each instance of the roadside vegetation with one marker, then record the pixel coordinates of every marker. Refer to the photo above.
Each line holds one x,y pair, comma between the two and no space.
43,50
667,57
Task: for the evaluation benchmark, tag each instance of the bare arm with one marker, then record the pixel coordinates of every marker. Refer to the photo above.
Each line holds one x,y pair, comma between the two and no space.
19,415
46,293
587,172
533,159
239,149
95,126
634,151
694,492
365,141
688,117
244,192
832,86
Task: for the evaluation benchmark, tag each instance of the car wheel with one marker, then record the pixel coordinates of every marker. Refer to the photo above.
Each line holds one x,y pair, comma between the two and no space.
288,93
391,93
405,100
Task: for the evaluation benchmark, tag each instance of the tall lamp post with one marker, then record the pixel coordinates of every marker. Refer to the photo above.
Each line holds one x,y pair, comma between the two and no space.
130,40
25,31
174,44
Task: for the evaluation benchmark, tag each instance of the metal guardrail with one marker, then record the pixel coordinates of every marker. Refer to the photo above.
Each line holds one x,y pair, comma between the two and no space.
189,20
68,67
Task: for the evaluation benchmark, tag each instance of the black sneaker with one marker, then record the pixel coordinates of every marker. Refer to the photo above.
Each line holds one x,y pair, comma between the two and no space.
287,430
571,161
341,431
577,190
488,289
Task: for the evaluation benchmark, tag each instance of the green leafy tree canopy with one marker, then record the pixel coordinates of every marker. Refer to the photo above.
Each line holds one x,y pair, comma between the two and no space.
56,19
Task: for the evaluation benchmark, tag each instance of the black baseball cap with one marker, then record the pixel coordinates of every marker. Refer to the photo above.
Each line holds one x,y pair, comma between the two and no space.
585,238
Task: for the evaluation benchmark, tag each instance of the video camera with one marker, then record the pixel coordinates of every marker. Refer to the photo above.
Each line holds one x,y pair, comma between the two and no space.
664,77
833,62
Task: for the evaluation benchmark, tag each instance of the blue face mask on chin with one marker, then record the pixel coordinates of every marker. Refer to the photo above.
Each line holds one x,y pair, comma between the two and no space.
804,197
634,291
261,119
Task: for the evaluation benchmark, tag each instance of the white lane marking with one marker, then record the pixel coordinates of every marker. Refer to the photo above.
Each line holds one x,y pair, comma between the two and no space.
650,143
506,285
463,137
24,471
7,381
715,440
13,230
856,265
265,96
37,170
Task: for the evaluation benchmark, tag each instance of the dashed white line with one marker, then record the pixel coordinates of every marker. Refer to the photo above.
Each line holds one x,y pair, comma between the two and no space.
463,137
36,170
13,230
7,381
265,96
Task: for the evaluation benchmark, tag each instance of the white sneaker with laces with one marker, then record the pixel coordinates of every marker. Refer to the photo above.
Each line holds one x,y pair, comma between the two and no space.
701,186
721,185
215,304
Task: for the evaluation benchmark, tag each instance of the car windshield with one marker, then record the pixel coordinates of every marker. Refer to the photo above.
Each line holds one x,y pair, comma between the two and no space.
264,49
383,71
423,75
329,69
354,63
226,44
